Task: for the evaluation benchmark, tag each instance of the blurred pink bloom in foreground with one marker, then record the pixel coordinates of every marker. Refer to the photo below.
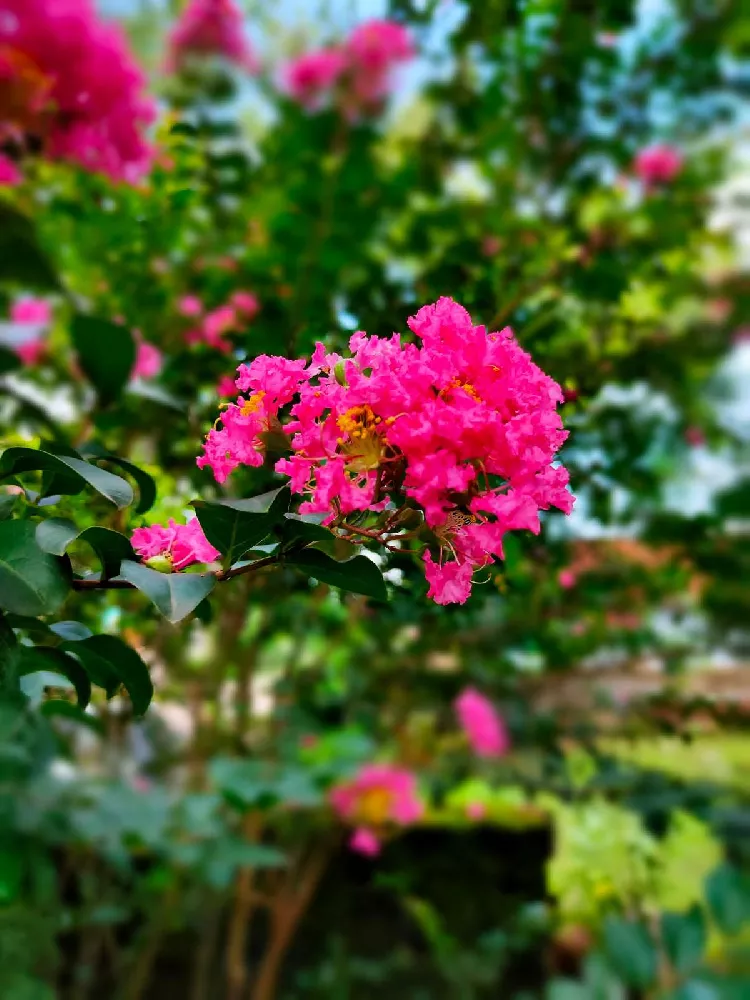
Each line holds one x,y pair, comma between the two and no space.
476,810
207,28
34,313
658,164
483,726
179,544
190,305
308,77
226,386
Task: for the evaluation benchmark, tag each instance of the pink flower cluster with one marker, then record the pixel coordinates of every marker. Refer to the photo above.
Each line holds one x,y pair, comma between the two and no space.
378,795
68,81
360,69
32,313
148,359
207,28
658,165
217,323
178,545
462,430
484,728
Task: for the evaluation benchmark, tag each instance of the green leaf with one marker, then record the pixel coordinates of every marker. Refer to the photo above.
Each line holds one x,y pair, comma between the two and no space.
728,895
21,258
9,655
630,951
123,666
684,937
7,503
250,783
359,575
31,581
71,631
36,658
9,360
156,394
56,534
106,353
146,483
72,474
174,594
695,989
304,528
567,989
234,526
57,708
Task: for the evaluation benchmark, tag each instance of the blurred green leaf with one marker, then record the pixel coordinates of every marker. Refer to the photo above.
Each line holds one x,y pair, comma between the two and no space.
630,951
106,353
684,938
32,582
72,474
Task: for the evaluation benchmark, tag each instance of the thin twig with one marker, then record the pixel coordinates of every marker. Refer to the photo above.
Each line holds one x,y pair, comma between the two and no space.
227,574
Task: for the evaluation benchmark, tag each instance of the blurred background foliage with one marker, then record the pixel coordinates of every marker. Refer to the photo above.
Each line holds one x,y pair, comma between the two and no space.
191,853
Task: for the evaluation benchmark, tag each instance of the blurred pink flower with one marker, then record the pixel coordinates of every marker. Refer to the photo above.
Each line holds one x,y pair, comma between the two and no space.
476,810
32,311
148,360
32,351
695,437
310,76
226,386
245,302
9,172
484,727
658,164
567,579
190,306
207,28
491,245
378,794
75,84
364,841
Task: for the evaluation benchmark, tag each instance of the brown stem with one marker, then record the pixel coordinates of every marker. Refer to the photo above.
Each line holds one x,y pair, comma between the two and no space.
227,574
236,968
136,983
200,989
289,906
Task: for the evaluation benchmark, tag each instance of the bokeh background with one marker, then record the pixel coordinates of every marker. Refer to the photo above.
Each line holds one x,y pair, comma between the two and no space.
578,171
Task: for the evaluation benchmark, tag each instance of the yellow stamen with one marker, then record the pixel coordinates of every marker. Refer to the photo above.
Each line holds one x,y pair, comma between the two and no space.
252,404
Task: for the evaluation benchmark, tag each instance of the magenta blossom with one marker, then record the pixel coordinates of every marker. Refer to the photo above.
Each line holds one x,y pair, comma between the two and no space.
311,76
484,728
567,579
31,311
245,303
148,360
658,165
178,544
364,841
429,423
378,795
10,175
70,78
190,306
210,28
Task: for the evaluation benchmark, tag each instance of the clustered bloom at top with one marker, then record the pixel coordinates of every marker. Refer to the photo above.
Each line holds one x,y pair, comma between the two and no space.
33,314
658,164
215,324
174,545
484,728
359,69
69,86
208,28
459,431
378,795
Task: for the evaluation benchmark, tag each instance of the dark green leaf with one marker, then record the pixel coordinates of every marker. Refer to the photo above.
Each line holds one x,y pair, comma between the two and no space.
31,581
183,128
35,658
146,483
359,575
21,258
684,938
630,951
156,394
9,655
9,360
99,669
174,594
106,353
72,471
234,526
728,895
304,528
56,534
125,664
